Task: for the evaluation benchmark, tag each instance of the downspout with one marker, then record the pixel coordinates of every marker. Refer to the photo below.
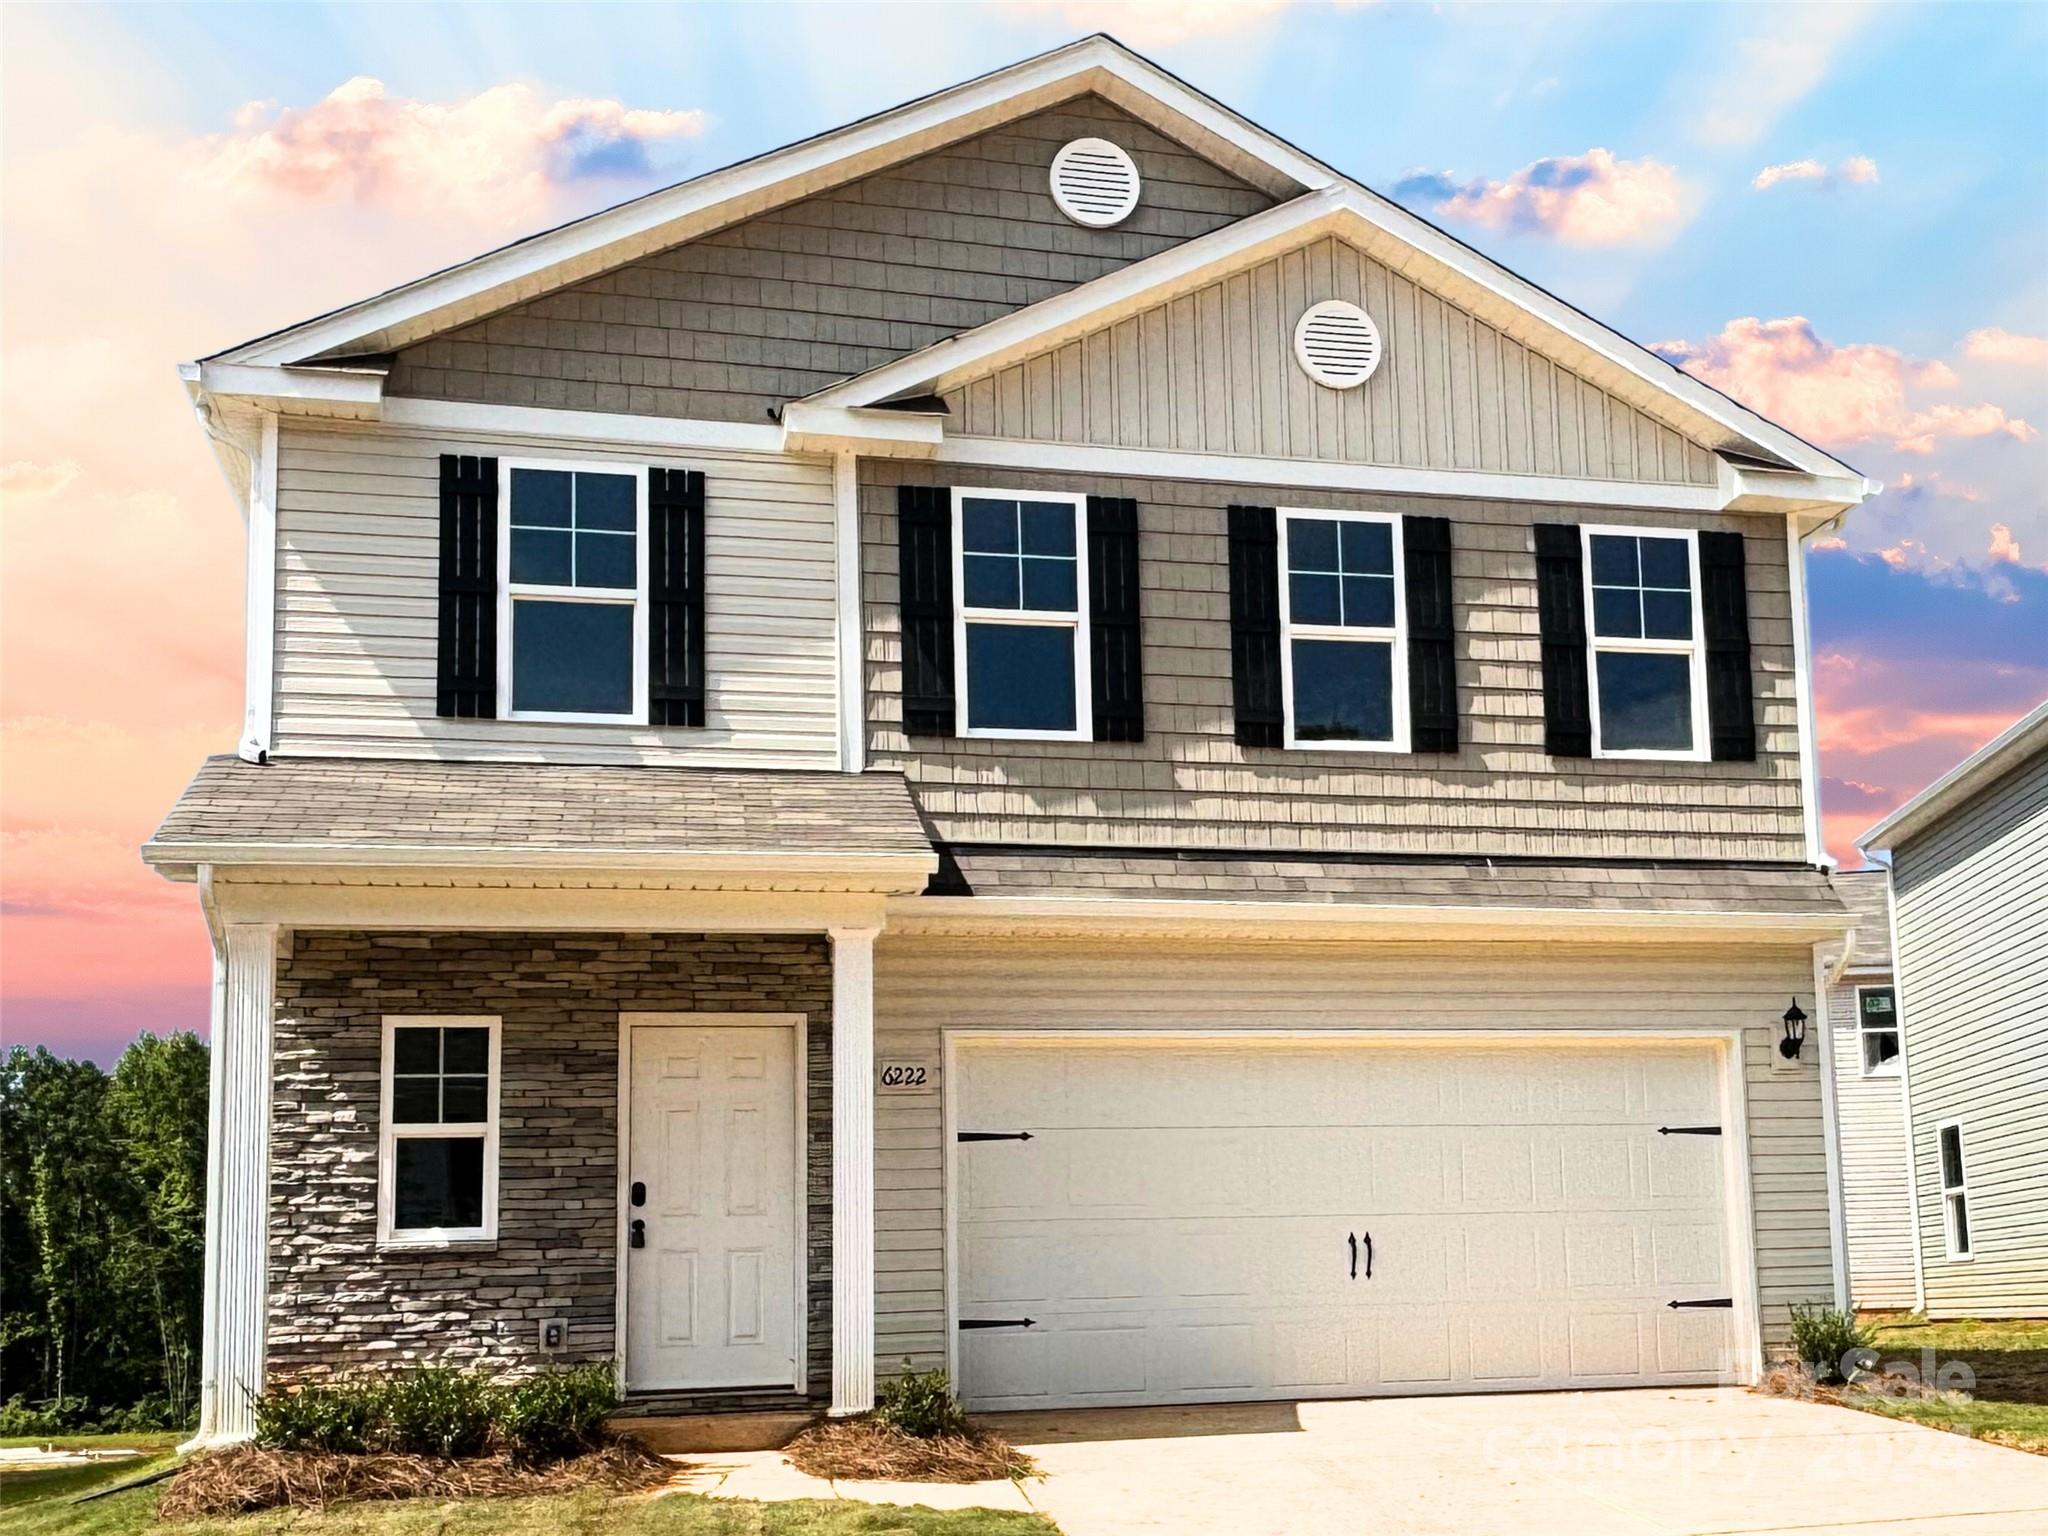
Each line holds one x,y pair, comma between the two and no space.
1830,1119
1802,668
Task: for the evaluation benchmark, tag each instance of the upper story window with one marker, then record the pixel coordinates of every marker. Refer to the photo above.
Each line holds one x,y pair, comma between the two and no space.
1343,630
437,1178
1877,1030
1648,672
572,588
1020,627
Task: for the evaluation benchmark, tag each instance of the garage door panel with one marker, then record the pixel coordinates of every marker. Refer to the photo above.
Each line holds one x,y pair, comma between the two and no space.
1528,1225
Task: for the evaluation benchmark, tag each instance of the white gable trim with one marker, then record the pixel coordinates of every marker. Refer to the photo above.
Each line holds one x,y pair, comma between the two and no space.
547,261
1392,235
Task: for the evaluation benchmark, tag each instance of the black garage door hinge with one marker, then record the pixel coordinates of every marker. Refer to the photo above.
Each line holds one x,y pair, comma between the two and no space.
967,1323
1688,1130
1718,1301
991,1135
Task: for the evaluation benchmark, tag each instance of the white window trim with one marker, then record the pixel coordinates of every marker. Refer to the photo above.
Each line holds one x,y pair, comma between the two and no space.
1951,1193
1397,636
1084,703
390,1134
1889,1068
614,596
1695,649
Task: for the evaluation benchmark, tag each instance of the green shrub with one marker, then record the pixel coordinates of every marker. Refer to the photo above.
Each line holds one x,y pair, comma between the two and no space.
557,1414
921,1404
439,1411
57,1416
1831,1343
321,1416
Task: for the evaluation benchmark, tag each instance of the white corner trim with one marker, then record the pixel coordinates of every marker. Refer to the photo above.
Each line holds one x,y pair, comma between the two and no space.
1891,910
853,1170
1831,1126
259,606
1802,689
850,631
672,432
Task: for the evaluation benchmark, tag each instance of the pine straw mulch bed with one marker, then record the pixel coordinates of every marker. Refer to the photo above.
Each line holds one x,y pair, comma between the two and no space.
246,1478
867,1450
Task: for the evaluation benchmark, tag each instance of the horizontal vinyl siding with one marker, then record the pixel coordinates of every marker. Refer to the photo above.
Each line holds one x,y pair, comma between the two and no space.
1190,784
358,570
925,984
1972,898
1214,371
776,307
1877,1196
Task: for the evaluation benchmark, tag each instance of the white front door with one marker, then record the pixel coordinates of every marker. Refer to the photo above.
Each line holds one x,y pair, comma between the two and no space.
1203,1219
711,1207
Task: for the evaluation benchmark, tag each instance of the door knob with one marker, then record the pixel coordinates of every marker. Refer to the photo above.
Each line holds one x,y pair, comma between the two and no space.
636,1234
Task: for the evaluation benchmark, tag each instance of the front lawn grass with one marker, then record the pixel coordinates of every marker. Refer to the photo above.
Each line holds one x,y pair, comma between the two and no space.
579,1514
2009,1360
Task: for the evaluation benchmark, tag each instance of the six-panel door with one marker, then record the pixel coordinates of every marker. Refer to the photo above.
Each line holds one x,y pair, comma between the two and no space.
1189,1219
710,1279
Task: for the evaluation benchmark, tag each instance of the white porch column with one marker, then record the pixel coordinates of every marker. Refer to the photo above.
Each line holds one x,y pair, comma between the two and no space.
237,1183
853,1170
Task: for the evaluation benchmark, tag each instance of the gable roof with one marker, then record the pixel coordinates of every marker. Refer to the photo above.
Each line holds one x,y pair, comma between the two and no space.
1096,65
2024,739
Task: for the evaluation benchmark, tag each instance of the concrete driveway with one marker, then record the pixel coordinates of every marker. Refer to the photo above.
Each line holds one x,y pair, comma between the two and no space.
1648,1463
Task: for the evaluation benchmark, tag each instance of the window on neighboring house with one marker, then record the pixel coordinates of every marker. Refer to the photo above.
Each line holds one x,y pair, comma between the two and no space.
573,575
438,1154
1955,1191
1648,668
1343,627
1021,628
1877,1029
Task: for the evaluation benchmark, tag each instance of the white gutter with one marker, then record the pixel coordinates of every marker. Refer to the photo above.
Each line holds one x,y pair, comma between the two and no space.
473,856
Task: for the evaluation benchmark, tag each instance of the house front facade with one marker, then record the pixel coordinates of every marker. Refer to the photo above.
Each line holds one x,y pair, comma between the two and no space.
1035,736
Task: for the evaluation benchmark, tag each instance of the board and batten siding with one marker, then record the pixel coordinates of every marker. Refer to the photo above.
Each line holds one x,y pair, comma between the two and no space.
1877,1197
774,308
1971,895
1214,371
1189,784
358,530
926,984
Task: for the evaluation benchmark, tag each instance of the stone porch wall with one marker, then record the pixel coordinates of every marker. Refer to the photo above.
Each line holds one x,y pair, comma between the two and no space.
338,1302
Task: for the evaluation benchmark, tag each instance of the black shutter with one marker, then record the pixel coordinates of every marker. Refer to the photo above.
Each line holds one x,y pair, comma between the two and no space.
1561,613
675,597
1432,670
1724,603
1116,652
924,548
466,652
1255,626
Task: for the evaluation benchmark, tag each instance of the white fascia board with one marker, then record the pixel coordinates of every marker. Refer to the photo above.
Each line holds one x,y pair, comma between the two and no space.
359,387
675,432
711,201
995,914
894,868
811,428
2012,746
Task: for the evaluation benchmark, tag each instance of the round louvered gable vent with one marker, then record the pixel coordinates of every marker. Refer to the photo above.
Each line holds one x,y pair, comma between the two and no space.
1337,344
1095,183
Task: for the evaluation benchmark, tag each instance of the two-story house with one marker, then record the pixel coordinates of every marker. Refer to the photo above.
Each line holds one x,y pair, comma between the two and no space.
1036,735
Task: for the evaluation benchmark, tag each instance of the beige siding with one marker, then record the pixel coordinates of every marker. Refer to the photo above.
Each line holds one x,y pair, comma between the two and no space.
1189,783
1214,372
1877,1197
1972,901
358,538
923,985
783,304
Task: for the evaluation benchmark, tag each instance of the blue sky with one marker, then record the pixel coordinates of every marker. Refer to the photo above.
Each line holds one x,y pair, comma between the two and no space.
1837,213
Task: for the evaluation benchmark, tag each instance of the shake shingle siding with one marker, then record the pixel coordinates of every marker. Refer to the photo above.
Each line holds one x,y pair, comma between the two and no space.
1189,784
788,302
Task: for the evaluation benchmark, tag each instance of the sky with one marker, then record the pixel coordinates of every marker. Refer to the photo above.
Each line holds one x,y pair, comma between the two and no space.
1838,214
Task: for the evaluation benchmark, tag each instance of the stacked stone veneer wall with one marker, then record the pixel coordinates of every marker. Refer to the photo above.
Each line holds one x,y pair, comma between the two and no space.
338,1301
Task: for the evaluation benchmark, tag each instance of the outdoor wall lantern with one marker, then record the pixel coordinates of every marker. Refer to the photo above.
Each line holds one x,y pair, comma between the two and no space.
1795,1032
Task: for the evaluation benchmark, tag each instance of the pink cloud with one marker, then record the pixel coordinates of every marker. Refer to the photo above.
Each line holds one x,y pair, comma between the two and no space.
1592,199
1857,170
1993,344
1859,392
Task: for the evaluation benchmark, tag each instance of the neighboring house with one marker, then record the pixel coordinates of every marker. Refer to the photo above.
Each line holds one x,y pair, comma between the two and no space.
1036,736
1863,1023
1969,899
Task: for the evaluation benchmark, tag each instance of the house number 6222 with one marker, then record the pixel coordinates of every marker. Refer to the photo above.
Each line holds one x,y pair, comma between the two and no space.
899,1076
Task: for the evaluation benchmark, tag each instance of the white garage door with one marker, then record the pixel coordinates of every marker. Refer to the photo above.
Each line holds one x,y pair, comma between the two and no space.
1228,1218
